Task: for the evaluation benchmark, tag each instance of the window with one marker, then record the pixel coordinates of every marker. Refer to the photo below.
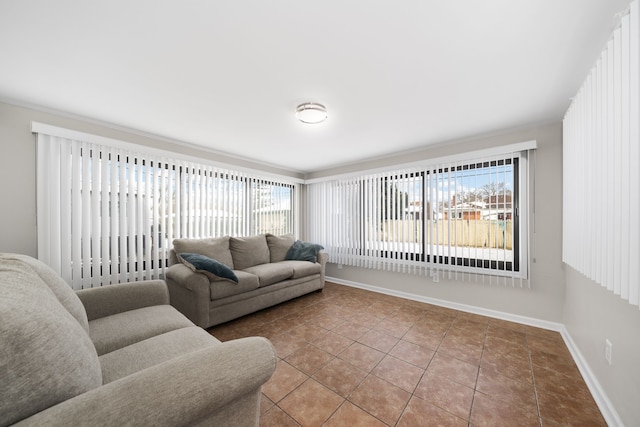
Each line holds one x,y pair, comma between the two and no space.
108,214
463,216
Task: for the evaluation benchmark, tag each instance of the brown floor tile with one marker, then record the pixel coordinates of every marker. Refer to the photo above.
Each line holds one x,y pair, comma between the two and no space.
265,404
552,346
361,356
470,353
276,417
309,359
490,412
510,335
465,336
508,364
365,318
399,373
497,386
406,314
311,404
446,394
420,413
284,380
500,345
332,343
327,321
560,385
315,335
420,336
285,344
378,340
340,376
393,328
380,398
505,324
350,415
413,353
351,330
555,363
307,332
454,369
569,411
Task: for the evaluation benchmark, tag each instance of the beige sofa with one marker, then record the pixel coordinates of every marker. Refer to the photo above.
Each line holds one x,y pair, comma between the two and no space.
117,355
266,276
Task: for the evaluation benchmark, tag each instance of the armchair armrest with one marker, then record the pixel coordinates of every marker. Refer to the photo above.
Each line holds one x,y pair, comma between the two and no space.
114,299
183,391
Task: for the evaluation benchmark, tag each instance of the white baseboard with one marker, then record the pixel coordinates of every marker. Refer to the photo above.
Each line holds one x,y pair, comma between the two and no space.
604,404
530,321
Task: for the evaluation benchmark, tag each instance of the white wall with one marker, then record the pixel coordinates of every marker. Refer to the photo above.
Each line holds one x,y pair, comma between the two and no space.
593,314
18,167
545,299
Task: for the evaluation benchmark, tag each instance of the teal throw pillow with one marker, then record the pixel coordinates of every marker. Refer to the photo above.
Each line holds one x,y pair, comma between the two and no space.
214,270
303,251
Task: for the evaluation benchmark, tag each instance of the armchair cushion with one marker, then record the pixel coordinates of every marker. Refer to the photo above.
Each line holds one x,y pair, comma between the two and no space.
113,332
152,351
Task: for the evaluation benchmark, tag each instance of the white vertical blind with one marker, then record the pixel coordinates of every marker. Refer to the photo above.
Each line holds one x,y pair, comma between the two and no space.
454,217
601,175
108,214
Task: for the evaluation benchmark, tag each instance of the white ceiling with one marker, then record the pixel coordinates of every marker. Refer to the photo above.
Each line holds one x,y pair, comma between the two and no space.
227,75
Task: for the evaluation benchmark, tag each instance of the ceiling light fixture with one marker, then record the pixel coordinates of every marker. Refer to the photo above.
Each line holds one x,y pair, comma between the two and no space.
311,113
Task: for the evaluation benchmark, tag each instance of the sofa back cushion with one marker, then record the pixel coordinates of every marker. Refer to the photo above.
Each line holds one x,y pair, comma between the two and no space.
215,247
249,251
279,246
47,357
58,286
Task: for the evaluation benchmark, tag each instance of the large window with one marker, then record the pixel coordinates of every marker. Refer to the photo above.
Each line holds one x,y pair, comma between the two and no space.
462,216
107,214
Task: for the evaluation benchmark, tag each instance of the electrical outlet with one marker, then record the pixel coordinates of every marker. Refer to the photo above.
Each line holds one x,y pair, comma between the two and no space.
435,277
608,347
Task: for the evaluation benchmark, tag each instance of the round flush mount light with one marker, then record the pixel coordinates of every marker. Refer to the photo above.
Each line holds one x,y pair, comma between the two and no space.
311,113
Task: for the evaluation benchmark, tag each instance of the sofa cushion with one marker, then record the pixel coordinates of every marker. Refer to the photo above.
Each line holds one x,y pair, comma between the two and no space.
249,251
271,273
304,251
216,248
152,351
303,268
211,268
46,357
279,245
120,330
59,287
246,282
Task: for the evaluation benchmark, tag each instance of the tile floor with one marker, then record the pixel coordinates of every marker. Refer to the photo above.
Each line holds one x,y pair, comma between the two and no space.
349,357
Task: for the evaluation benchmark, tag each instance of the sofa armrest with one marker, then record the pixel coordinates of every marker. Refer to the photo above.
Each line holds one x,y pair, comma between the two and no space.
190,293
183,391
323,257
113,299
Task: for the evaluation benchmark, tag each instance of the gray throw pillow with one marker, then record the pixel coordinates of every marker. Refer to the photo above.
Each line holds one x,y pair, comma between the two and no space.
304,251
211,268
